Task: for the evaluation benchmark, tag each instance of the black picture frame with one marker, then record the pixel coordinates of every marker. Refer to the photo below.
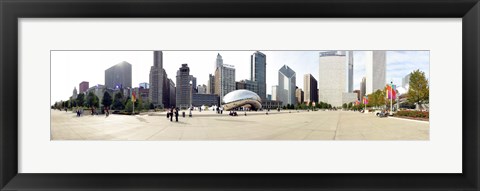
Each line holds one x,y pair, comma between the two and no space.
11,11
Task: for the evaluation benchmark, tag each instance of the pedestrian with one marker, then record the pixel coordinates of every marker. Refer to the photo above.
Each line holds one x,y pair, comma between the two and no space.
176,114
190,113
171,115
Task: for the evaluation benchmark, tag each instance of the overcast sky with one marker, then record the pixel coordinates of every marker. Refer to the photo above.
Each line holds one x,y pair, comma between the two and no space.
69,68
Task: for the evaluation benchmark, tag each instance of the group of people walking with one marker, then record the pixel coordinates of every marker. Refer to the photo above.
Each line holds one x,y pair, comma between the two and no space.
171,112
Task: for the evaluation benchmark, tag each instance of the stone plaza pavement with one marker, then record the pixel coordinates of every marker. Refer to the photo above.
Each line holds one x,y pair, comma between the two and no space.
318,125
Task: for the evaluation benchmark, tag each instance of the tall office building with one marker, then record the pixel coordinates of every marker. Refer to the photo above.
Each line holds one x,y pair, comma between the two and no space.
211,84
350,71
83,87
274,93
406,81
172,95
258,72
286,85
202,89
224,80
119,76
156,80
247,84
219,61
165,90
376,66
184,87
332,80
75,93
363,87
299,94
310,88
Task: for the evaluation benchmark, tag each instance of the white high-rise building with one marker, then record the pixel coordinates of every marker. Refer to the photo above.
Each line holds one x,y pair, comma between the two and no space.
274,93
350,71
224,80
286,85
376,66
335,74
406,81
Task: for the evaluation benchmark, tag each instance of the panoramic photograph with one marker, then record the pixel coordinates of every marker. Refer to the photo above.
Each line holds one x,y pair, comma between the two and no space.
164,95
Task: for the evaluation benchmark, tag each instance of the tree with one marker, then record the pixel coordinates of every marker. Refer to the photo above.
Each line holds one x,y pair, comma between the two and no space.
350,105
80,99
118,101
377,98
129,106
139,103
344,106
107,99
67,104
418,92
92,100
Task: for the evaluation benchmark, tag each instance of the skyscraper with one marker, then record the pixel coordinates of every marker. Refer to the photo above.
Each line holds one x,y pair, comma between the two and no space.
119,76
299,94
184,89
310,88
332,80
224,78
172,95
363,87
247,84
376,66
156,80
286,85
165,90
350,71
202,89
211,84
275,93
219,61
83,87
406,81
258,72
75,93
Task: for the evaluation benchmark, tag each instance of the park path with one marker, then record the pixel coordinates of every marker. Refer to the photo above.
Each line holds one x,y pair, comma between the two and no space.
319,125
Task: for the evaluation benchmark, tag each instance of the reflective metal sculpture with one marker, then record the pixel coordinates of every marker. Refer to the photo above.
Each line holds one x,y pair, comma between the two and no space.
241,98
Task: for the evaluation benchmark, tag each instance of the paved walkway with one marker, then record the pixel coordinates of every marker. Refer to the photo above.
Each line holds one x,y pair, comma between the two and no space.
319,125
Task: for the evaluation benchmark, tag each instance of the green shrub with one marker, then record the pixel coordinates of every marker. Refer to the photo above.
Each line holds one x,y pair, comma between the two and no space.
414,114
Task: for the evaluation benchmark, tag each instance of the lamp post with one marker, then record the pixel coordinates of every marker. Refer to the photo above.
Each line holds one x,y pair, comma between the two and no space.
191,95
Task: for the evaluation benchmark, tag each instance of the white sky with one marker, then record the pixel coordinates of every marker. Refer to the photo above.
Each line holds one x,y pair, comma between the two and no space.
69,68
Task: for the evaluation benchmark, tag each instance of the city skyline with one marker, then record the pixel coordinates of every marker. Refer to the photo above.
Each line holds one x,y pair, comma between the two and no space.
90,66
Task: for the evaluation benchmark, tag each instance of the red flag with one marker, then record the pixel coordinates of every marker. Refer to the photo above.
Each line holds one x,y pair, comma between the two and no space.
134,98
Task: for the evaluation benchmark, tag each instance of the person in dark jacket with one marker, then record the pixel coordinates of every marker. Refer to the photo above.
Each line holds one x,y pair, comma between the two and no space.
171,114
176,114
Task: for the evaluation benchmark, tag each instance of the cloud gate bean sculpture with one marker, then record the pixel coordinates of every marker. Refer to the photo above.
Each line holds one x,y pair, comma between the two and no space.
241,98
